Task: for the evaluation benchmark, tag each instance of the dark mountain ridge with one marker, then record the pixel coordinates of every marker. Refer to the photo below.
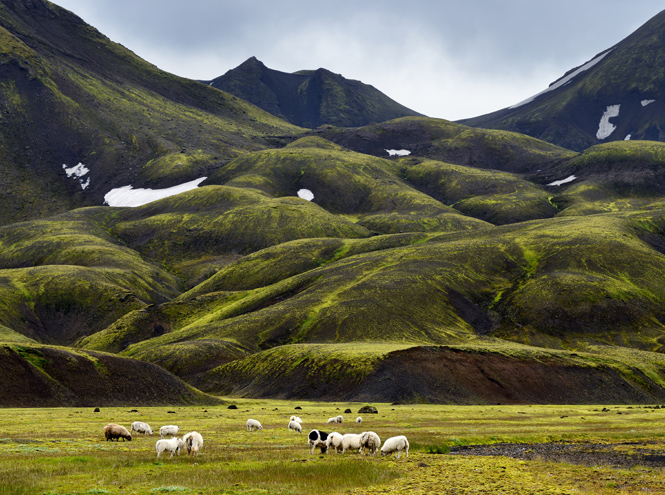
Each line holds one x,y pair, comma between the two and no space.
619,94
310,98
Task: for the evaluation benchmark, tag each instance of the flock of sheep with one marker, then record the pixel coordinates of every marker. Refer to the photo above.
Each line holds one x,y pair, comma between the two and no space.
364,442
367,441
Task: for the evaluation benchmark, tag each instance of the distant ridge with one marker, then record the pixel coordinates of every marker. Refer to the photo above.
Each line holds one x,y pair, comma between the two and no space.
310,98
617,95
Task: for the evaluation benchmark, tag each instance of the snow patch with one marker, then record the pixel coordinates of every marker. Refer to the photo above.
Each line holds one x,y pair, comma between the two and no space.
562,181
646,102
605,128
128,196
627,138
565,80
76,172
306,194
398,152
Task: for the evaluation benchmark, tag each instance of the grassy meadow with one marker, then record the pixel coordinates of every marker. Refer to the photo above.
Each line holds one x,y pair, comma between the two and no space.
63,451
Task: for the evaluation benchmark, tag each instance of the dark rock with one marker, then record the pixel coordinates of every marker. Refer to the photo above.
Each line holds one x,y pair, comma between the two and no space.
96,409
232,406
368,410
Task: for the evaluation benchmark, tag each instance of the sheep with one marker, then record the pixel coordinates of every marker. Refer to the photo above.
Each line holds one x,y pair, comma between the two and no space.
253,424
317,438
139,427
370,441
395,444
168,430
331,420
351,441
173,445
113,430
335,441
193,441
296,419
339,419
295,426
359,420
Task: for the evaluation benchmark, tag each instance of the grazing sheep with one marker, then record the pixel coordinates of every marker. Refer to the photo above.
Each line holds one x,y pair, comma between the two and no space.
173,445
331,420
296,419
359,420
317,438
139,427
168,430
253,424
395,444
193,441
351,441
295,426
370,441
339,419
334,441
113,430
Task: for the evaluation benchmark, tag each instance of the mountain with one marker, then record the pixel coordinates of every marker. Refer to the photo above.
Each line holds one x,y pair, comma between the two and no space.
309,98
619,94
81,115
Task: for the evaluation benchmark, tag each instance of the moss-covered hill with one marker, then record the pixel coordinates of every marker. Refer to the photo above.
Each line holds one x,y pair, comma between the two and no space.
69,96
309,98
617,95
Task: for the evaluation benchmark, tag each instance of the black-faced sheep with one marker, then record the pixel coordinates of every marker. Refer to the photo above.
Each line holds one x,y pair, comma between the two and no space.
253,424
173,445
339,419
370,441
317,438
168,430
359,420
140,427
395,444
295,426
350,441
193,441
114,431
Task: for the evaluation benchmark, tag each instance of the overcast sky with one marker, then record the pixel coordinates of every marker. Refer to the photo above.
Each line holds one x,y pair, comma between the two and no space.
449,58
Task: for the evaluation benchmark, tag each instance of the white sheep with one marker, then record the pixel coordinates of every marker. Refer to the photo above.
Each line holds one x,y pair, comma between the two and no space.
317,438
334,441
331,420
295,426
339,419
140,427
359,420
253,424
168,430
296,419
370,441
395,444
173,445
351,441
193,441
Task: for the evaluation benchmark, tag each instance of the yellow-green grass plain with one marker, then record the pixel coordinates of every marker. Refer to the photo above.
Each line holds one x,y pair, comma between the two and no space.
63,450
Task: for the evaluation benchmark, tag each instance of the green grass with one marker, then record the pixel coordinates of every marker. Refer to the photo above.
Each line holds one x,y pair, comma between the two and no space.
67,454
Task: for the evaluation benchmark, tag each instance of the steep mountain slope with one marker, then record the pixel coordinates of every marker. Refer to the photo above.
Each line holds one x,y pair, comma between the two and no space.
309,98
82,115
617,95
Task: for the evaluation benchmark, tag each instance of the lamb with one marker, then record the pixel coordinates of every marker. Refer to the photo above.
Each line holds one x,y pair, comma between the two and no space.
317,438
395,444
139,427
193,441
168,430
334,441
173,445
370,441
295,426
253,424
351,441
359,420
113,430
